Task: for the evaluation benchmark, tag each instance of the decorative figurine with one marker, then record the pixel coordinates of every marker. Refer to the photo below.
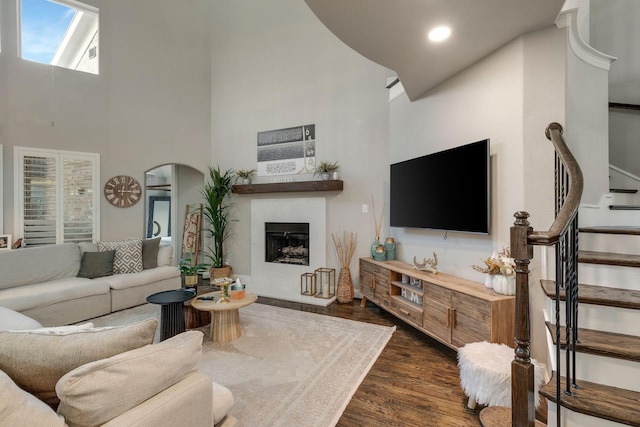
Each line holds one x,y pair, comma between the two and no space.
427,264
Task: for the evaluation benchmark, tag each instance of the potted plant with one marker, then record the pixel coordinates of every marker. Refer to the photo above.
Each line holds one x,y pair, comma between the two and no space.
325,169
245,175
189,270
217,211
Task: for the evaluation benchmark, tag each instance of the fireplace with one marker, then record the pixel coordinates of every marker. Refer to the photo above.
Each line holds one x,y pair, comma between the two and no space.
281,280
287,242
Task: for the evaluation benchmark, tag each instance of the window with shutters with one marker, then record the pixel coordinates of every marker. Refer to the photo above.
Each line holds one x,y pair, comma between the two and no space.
57,196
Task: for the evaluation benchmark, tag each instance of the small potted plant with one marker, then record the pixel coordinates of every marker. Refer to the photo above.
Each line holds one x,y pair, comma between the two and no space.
326,169
189,270
245,175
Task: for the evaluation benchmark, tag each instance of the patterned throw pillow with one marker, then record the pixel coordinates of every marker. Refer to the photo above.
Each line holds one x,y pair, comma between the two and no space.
128,257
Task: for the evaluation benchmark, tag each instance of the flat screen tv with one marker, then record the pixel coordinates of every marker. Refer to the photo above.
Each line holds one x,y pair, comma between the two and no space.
448,190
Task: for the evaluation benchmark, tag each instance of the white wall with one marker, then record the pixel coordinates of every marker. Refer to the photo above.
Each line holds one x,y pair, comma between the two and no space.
587,125
509,97
615,31
484,101
544,99
150,104
274,66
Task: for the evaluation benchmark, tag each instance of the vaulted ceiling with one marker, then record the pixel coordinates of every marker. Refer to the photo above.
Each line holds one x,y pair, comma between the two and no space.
393,33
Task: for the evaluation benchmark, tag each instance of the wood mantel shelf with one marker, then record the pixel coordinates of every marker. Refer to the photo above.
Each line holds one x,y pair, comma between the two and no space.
288,187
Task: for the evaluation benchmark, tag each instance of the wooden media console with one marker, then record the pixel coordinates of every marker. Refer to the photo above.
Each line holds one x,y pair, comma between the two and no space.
452,310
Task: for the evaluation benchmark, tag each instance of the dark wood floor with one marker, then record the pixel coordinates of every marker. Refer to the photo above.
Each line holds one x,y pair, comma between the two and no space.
414,382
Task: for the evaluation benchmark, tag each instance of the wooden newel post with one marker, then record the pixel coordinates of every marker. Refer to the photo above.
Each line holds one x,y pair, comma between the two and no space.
523,412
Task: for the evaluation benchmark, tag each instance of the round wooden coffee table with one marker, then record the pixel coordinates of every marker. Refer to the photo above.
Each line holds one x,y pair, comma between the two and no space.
225,317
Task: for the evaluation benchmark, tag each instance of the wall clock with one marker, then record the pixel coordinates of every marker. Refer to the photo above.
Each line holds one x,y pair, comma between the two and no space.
122,191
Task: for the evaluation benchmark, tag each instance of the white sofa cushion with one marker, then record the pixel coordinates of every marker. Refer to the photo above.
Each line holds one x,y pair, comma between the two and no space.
36,361
19,408
222,402
36,265
164,255
12,320
124,281
100,391
26,297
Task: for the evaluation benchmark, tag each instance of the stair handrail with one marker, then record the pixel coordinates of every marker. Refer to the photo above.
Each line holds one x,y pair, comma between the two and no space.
569,184
571,203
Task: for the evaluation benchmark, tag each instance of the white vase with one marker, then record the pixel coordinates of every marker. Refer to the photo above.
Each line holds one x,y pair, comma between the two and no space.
505,285
497,282
488,281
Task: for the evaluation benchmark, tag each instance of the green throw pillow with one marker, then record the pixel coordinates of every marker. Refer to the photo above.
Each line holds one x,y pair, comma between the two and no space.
150,253
96,264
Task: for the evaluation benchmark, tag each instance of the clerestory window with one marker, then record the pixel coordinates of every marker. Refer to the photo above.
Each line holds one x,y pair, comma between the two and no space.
60,32
56,196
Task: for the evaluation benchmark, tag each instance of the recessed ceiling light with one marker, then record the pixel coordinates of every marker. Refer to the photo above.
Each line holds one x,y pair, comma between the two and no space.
439,34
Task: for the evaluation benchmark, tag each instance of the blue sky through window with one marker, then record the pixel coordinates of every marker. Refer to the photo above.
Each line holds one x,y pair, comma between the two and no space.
44,24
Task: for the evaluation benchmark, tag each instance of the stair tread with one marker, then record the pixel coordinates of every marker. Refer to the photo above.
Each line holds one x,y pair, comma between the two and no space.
623,190
606,402
598,295
602,343
499,416
609,258
624,207
606,229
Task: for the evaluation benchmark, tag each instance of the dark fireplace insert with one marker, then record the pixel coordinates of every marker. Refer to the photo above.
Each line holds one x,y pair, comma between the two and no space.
287,242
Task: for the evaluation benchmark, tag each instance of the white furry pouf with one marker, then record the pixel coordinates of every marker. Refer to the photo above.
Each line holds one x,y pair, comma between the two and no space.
485,373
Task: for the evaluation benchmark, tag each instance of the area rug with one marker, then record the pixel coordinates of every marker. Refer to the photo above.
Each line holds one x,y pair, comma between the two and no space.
289,368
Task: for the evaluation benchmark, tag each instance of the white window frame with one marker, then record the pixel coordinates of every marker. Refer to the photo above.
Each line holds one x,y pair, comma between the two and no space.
60,155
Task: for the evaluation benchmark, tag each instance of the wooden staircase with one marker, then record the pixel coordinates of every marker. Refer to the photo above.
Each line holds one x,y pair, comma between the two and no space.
626,206
608,350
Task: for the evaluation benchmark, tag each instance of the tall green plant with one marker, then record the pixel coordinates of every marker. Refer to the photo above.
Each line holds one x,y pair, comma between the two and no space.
217,212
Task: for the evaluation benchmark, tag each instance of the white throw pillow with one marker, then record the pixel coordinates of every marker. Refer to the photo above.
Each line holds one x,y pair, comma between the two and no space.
12,320
164,255
58,330
128,257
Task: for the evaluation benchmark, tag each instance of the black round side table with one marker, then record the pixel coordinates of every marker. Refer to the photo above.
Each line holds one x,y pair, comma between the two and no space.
172,313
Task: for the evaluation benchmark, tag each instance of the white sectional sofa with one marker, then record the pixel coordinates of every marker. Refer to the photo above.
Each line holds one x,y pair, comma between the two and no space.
81,376
42,282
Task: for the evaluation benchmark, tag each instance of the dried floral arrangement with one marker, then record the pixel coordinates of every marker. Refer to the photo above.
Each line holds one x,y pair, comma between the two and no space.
498,263
345,247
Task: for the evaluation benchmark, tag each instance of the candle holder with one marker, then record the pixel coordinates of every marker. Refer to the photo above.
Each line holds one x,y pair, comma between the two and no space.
308,284
224,293
325,282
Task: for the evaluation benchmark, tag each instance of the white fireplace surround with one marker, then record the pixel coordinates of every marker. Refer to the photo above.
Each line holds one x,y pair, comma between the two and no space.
283,280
